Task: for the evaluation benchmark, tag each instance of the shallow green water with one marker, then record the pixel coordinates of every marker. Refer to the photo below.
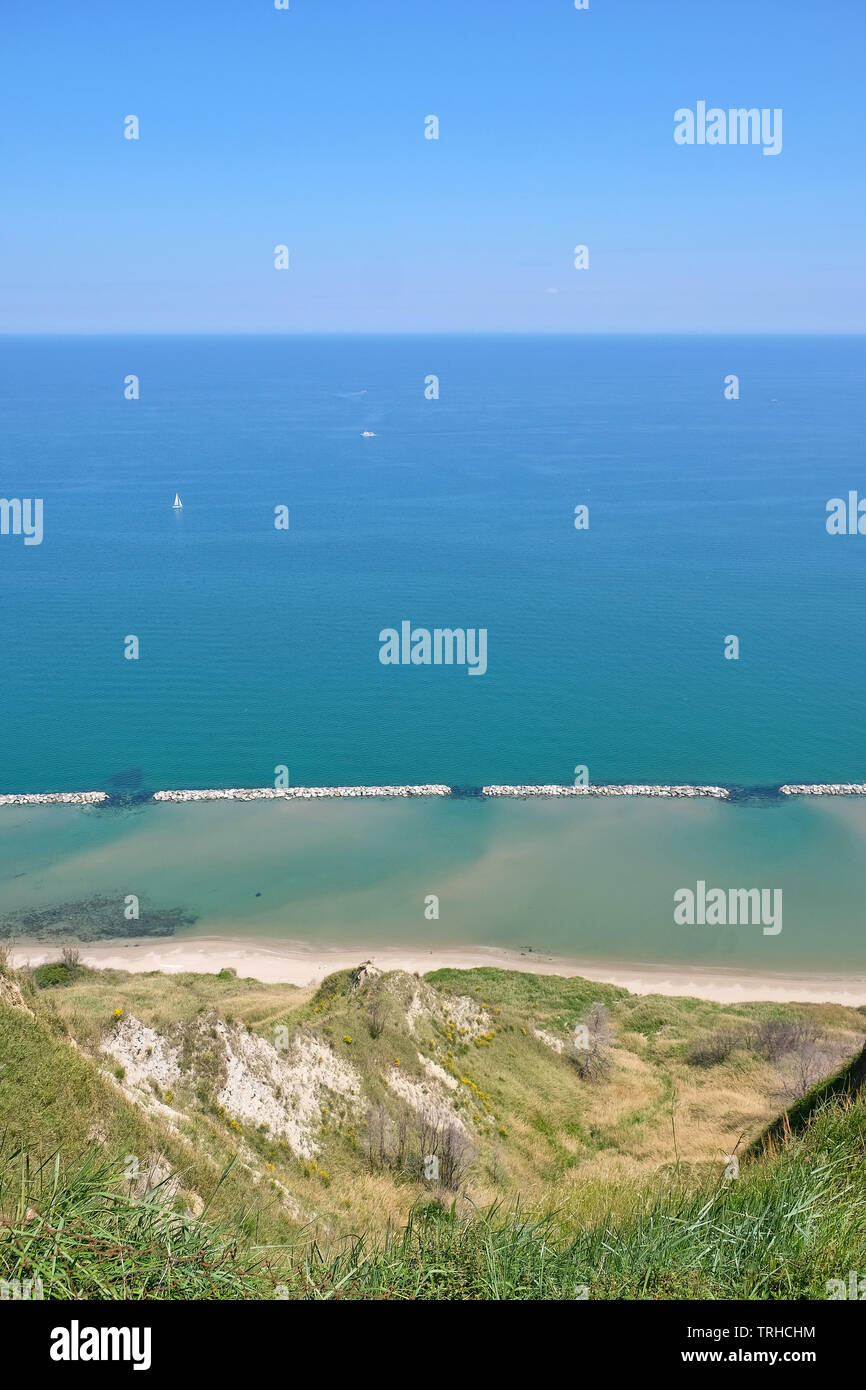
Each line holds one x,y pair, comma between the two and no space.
590,878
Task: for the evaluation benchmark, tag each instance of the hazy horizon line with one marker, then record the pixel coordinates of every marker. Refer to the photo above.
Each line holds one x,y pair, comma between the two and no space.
433,333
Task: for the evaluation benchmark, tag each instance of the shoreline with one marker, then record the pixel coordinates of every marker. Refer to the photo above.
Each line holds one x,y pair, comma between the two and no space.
440,789
305,964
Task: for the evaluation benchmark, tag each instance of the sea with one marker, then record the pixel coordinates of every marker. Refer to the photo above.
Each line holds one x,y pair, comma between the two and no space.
435,480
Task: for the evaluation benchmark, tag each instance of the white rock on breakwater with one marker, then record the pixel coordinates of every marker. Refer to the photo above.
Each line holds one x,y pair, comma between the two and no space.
298,793
50,798
431,789
636,789
824,789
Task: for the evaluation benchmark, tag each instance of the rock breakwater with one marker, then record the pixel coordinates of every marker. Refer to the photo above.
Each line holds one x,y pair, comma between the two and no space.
50,798
299,793
436,789
611,789
824,789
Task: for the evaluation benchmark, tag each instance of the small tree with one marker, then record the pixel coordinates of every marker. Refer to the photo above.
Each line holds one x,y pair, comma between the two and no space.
593,1038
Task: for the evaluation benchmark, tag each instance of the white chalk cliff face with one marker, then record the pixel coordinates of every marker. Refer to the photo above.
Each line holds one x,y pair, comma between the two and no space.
256,1082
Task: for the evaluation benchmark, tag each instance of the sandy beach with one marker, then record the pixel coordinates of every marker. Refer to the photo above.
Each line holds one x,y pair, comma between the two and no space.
302,963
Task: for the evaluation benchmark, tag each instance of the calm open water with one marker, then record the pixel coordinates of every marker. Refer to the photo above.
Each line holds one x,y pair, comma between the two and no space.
605,647
259,648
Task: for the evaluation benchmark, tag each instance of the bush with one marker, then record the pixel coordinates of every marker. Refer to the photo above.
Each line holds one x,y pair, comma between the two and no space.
651,1013
52,974
407,1144
594,1061
777,1037
711,1051
773,1040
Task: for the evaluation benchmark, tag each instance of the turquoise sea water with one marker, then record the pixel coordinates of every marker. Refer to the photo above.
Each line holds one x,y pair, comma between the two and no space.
605,647
260,648
591,879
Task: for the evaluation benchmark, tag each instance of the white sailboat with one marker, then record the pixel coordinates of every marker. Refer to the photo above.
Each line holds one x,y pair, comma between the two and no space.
177,502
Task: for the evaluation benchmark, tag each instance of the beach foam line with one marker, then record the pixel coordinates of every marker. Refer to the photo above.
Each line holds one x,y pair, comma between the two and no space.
49,798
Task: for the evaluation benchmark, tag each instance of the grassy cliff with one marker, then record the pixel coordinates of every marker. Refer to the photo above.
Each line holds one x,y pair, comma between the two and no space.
492,1134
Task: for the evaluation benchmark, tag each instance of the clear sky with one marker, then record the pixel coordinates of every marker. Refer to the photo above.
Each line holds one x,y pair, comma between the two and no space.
306,127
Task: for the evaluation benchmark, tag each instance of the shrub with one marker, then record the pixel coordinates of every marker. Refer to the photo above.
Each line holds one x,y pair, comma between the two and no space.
777,1037
406,1145
594,1061
711,1051
52,974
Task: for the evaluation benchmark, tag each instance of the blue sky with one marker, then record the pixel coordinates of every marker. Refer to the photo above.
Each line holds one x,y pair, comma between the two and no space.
306,127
